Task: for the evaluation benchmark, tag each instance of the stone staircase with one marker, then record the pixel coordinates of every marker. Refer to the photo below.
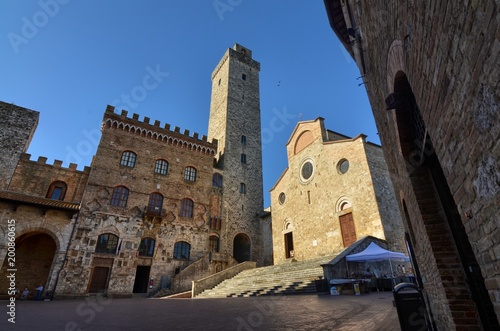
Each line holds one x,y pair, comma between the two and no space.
287,278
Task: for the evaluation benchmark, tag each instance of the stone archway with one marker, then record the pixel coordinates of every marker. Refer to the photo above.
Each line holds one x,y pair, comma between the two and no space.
242,248
35,253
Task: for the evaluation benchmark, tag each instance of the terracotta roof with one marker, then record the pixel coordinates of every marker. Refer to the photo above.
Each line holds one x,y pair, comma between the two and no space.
29,199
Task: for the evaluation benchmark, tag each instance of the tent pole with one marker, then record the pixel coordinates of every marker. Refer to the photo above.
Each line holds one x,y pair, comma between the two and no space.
392,272
346,268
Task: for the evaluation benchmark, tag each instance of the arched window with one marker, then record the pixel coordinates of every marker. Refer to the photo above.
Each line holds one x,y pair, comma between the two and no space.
243,158
128,159
155,203
344,205
215,223
214,244
243,188
106,243
243,140
57,190
187,208
147,247
182,250
161,167
217,180
190,174
120,196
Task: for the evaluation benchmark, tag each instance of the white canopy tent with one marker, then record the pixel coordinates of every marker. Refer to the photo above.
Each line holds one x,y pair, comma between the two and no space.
374,253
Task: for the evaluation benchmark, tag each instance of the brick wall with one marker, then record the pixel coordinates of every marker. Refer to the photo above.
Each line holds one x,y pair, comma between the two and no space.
448,53
149,142
35,177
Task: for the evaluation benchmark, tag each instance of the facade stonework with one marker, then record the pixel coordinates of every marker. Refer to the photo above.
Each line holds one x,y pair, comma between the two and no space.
157,208
136,220
346,195
43,226
431,73
15,136
235,123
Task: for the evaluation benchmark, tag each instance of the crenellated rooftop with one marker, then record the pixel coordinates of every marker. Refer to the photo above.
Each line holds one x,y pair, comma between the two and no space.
42,160
155,131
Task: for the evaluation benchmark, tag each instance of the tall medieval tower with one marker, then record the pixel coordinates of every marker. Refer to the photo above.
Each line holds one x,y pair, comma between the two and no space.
235,123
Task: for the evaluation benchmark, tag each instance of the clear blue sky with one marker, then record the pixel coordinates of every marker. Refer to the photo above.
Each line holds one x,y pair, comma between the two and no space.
68,59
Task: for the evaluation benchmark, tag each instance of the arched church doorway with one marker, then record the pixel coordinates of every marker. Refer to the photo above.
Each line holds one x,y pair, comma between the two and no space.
441,220
242,248
33,261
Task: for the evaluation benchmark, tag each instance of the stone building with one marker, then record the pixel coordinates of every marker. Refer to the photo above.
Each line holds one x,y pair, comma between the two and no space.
335,190
156,207
235,123
18,127
431,71
42,200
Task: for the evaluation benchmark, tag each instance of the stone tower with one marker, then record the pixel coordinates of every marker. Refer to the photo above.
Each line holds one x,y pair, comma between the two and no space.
16,130
235,123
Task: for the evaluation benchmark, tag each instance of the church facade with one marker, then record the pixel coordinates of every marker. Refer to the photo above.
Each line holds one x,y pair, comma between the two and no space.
335,191
156,207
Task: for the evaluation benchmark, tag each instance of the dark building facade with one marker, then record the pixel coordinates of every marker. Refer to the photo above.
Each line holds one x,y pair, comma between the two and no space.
431,71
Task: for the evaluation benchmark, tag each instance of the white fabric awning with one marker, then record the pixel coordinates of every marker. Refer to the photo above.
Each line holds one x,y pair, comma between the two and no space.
375,253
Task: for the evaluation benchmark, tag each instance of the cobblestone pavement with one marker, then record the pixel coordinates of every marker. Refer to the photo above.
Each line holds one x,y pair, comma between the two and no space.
373,311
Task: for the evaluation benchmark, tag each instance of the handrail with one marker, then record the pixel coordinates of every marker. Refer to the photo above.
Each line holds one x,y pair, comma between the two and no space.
211,281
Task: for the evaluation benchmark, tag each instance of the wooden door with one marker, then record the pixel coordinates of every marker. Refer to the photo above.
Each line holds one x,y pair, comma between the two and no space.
347,228
99,280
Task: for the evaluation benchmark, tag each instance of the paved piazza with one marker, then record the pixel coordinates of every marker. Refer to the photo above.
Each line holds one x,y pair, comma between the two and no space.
373,311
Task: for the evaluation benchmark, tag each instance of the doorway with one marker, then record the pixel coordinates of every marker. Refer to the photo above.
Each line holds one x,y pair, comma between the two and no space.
34,260
347,229
289,252
242,248
141,279
99,280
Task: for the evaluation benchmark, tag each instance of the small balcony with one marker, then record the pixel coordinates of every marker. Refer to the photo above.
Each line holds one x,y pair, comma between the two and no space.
154,213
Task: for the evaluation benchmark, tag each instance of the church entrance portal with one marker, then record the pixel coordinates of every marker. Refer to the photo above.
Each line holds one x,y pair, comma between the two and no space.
347,229
289,252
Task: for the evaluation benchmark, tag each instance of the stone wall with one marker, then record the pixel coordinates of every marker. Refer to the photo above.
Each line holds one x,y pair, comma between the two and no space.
387,202
442,58
16,130
35,177
267,236
42,225
55,226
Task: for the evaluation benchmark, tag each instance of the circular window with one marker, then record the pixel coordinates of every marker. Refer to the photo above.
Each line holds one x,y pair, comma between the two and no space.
343,166
282,198
307,170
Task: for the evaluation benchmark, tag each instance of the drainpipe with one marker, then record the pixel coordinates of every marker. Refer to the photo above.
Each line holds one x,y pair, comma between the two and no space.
67,250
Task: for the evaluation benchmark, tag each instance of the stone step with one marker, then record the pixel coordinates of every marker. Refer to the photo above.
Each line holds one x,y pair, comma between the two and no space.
282,279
